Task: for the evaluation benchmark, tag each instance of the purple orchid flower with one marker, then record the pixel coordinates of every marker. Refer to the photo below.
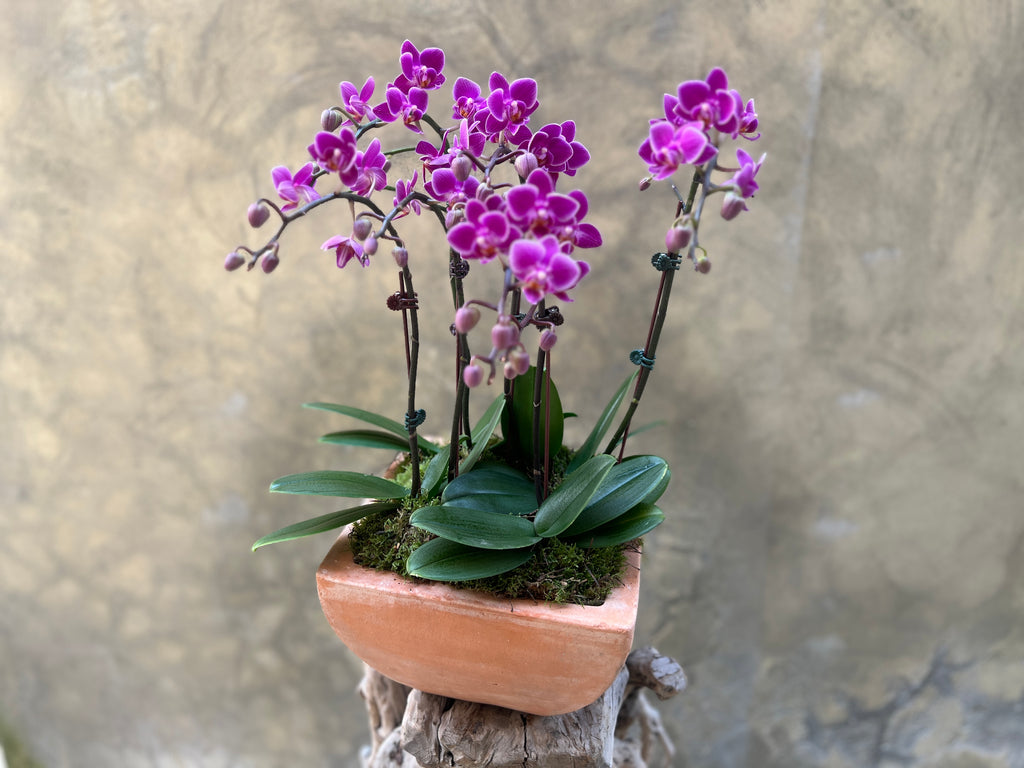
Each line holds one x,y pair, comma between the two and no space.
748,122
668,146
357,103
420,69
556,149
465,139
468,100
402,190
346,249
445,187
542,267
296,190
709,102
369,166
485,231
744,185
337,152
408,106
509,108
535,207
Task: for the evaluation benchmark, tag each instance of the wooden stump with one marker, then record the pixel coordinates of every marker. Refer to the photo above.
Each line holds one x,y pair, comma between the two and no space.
413,729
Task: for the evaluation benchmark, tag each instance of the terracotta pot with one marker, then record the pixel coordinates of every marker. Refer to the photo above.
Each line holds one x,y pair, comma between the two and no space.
539,658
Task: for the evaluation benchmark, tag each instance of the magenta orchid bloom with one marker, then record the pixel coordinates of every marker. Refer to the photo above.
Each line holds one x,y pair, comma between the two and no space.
542,267
709,102
420,69
535,207
296,190
486,231
345,249
357,103
468,100
402,190
409,106
509,108
556,149
743,185
337,152
369,166
668,146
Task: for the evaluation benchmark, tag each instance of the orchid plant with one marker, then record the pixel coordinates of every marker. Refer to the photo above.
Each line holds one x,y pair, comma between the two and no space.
497,187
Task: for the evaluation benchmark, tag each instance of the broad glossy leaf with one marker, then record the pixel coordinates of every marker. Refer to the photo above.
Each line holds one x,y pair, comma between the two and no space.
323,523
390,425
636,479
476,528
443,560
482,433
561,508
352,485
493,488
367,438
589,447
517,424
635,523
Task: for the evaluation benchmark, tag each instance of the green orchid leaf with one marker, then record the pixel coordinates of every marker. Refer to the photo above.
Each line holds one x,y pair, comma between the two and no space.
352,485
367,438
443,560
632,525
437,471
492,488
482,433
604,422
517,424
636,479
389,425
565,503
323,523
476,528
633,432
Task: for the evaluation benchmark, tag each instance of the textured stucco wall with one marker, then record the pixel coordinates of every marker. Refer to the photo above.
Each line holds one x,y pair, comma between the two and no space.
841,573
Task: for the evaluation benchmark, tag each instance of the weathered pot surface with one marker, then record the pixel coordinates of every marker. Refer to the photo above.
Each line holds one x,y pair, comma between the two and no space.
539,658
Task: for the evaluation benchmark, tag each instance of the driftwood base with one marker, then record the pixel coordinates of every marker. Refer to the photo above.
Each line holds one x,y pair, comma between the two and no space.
412,729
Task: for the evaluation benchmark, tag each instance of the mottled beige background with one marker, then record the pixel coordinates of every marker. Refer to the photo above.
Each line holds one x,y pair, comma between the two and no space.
842,573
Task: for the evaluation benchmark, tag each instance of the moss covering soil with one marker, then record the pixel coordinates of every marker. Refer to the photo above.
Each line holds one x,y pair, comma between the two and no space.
559,572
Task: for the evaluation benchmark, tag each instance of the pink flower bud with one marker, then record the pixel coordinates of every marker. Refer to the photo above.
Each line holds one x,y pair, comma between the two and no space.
519,358
258,215
547,339
526,164
466,319
509,371
401,256
678,237
702,264
504,334
462,167
473,376
370,246
362,228
269,262
234,261
645,183
732,205
331,120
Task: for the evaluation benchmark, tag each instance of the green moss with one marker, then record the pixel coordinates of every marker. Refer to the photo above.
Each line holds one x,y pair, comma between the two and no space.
559,572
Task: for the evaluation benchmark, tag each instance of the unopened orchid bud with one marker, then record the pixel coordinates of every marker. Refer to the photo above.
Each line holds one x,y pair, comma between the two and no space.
548,338
234,261
473,376
732,205
466,318
504,334
401,256
362,228
370,245
645,183
526,164
258,215
269,262
678,237
509,371
331,120
387,165
519,359
462,167
702,264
